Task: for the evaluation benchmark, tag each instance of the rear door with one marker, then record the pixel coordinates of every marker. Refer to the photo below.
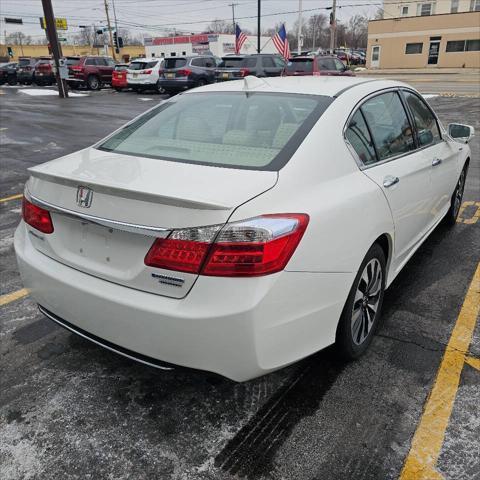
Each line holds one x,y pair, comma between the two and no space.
402,171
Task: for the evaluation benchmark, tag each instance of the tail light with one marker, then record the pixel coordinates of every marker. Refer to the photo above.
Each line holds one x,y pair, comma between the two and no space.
77,68
184,72
244,72
36,217
147,72
254,247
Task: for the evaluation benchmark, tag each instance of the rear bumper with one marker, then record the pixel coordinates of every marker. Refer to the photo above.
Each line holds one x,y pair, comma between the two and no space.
240,328
176,84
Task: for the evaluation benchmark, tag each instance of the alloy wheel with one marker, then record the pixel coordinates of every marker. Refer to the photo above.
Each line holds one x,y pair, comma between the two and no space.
366,301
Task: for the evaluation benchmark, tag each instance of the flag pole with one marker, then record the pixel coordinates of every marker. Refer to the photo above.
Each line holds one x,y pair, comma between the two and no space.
259,6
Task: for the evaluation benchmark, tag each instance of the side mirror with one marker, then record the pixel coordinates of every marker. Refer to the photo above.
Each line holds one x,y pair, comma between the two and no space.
462,133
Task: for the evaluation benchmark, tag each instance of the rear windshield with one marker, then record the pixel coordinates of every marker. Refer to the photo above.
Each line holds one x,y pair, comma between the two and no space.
249,62
174,62
257,131
300,65
23,62
121,68
72,61
228,62
142,65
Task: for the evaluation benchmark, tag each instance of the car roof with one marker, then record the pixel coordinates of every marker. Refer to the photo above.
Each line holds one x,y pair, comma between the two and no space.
328,86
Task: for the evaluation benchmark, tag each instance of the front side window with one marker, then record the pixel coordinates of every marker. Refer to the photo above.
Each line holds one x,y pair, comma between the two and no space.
339,66
425,121
258,131
90,61
326,64
359,138
279,62
389,125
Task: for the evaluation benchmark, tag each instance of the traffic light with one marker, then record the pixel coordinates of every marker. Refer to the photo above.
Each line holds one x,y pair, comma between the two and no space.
10,51
117,41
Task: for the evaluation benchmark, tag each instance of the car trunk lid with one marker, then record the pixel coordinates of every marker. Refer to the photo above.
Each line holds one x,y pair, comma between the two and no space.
133,200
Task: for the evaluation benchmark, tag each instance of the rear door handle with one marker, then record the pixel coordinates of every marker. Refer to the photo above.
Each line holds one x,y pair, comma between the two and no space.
390,180
436,161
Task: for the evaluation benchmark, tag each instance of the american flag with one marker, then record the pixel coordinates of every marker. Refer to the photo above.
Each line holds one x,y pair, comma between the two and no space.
240,39
280,41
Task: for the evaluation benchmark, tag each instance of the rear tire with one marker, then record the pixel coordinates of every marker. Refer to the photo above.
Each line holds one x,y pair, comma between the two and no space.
118,89
362,310
93,82
12,81
457,197
201,82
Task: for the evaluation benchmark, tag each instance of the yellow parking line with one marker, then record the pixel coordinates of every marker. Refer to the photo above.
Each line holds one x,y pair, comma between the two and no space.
11,297
473,362
428,439
12,197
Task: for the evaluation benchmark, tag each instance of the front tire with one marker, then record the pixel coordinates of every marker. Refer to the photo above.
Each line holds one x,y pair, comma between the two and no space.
362,310
457,197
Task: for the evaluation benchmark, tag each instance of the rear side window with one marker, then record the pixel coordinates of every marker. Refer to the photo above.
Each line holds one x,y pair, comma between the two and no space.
389,125
359,138
325,63
425,121
175,62
300,65
257,131
249,62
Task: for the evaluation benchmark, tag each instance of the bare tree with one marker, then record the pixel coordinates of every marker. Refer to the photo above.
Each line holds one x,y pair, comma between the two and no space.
357,31
18,38
220,26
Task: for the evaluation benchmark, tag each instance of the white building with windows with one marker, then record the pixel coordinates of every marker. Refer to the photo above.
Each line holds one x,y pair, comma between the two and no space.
399,8
217,44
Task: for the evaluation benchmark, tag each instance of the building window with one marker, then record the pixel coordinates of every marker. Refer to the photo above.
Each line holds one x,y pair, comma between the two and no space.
424,9
454,6
463,46
475,5
472,45
404,11
184,53
412,48
173,54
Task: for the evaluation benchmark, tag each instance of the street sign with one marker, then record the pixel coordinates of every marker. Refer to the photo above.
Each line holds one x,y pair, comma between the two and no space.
13,20
61,23
62,39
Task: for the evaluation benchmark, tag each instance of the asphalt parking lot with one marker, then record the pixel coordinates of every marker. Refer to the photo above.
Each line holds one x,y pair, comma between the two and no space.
410,408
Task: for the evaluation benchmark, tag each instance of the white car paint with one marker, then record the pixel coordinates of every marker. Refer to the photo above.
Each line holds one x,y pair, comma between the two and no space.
94,278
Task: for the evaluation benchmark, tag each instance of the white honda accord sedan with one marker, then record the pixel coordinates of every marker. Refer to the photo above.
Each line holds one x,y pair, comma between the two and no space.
242,226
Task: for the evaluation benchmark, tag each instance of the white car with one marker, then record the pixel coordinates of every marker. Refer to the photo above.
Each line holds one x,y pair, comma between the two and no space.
143,74
241,226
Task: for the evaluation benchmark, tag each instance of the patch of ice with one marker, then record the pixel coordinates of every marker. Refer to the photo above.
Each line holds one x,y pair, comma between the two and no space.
37,92
145,99
430,95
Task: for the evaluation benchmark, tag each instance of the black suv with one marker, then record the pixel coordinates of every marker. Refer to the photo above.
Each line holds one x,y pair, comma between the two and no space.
230,68
8,73
181,73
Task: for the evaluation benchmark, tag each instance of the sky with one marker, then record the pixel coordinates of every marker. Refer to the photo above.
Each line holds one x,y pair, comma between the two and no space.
152,17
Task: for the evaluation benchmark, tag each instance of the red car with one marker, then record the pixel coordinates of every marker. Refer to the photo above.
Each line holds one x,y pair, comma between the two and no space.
316,65
91,72
43,72
119,77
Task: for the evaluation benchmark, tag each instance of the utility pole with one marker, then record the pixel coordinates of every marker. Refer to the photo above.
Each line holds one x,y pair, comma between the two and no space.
333,25
259,13
233,5
110,30
117,47
54,45
299,33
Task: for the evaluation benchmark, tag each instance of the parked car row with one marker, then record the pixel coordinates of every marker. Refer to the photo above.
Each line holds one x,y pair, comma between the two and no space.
168,75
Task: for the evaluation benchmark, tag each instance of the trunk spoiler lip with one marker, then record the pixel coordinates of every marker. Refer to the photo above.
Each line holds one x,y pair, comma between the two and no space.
147,230
129,193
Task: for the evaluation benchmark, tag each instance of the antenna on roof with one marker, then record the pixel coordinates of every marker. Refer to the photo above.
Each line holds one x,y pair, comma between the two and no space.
250,82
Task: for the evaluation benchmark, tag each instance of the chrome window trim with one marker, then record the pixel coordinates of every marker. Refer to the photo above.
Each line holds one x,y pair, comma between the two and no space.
104,222
398,89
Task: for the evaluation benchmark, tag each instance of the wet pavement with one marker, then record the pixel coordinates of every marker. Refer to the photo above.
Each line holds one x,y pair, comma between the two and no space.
69,409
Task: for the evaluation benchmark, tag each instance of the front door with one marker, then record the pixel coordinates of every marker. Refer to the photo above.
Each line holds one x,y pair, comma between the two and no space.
433,52
375,61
